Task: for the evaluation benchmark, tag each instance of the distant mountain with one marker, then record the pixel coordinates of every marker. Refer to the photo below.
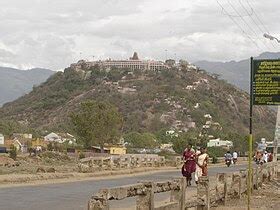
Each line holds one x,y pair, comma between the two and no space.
235,72
15,83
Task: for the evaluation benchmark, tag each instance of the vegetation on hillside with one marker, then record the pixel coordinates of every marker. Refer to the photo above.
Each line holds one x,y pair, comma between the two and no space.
150,103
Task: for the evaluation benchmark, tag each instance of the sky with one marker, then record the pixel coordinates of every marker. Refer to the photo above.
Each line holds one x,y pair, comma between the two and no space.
55,33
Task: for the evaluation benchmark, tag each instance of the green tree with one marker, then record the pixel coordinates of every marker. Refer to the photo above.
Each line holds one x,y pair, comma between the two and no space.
134,139
138,140
180,143
97,123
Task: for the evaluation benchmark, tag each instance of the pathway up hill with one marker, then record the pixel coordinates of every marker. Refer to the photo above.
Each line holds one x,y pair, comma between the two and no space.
178,98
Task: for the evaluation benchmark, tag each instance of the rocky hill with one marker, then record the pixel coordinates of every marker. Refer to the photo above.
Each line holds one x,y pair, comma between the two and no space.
15,83
177,99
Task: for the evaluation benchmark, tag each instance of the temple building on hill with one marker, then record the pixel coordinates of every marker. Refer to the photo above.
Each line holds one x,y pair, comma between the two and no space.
133,63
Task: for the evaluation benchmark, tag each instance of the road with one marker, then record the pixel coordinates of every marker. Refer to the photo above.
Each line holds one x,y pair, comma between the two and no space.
75,195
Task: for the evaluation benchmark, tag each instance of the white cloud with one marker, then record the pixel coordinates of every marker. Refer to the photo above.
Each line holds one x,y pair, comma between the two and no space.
51,34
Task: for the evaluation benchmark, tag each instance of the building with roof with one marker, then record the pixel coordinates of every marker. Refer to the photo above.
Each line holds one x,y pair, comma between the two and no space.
132,63
2,139
220,143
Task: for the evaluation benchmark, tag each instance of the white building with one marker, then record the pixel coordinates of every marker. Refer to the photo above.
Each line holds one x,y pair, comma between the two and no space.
133,63
219,143
2,138
53,137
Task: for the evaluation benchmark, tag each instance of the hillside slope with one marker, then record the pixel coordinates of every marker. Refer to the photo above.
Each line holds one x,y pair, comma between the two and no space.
15,83
149,101
235,72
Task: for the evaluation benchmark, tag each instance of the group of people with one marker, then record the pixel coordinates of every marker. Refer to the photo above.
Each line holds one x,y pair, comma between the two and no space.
194,162
231,157
263,157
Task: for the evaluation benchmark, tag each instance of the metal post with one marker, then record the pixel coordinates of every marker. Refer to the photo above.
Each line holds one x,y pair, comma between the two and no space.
250,138
277,130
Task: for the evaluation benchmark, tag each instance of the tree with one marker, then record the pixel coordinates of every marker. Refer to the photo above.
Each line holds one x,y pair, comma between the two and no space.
97,123
138,140
180,143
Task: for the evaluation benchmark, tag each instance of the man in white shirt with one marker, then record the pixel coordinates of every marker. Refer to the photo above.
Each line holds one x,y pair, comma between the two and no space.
265,157
234,156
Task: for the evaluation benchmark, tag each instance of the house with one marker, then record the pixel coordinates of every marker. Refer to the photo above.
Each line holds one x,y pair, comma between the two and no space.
21,141
110,149
117,149
38,142
13,142
67,137
22,136
220,143
2,139
53,137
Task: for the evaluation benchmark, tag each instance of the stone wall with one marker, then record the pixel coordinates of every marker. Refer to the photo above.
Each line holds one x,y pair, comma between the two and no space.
228,185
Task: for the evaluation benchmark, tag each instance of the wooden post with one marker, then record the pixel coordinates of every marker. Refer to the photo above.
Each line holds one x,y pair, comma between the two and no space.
257,171
99,202
243,181
221,184
146,201
179,195
236,183
203,192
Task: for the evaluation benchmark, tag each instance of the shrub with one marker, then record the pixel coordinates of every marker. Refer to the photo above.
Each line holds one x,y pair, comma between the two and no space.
82,155
13,152
214,160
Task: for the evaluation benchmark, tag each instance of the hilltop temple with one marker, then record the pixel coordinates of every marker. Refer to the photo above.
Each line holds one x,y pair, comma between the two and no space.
132,63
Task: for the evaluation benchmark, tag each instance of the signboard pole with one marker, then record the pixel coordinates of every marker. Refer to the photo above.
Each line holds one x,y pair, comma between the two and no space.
276,137
250,142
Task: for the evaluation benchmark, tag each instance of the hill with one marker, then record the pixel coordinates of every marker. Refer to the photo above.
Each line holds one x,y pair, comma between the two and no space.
235,72
174,99
15,83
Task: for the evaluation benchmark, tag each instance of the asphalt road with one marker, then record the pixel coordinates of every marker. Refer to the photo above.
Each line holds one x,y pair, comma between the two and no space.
75,195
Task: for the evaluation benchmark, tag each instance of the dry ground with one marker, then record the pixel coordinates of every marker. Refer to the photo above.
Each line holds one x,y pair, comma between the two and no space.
266,197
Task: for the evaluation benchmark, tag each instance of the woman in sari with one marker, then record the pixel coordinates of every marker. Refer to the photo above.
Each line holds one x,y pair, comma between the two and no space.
189,164
201,164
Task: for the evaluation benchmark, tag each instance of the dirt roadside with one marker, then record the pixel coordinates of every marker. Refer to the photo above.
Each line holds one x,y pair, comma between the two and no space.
15,180
266,197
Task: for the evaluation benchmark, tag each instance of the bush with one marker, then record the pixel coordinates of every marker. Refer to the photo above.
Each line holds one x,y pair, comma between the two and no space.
82,155
214,160
13,152
216,151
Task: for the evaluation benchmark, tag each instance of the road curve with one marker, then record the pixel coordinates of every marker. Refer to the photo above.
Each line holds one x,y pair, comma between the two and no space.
74,195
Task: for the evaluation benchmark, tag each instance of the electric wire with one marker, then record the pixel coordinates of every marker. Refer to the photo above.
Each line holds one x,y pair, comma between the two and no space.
251,7
245,22
238,25
260,29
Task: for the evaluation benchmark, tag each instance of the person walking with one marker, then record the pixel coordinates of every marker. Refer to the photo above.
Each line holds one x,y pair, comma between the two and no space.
189,164
201,164
234,156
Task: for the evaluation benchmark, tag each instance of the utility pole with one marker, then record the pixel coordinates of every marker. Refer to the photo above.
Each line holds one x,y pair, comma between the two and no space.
276,136
277,125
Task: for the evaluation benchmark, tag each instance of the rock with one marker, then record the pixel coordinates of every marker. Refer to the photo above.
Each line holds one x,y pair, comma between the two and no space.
6,161
51,170
40,170
83,168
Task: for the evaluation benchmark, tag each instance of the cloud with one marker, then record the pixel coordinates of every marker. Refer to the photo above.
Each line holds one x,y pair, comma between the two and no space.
53,34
